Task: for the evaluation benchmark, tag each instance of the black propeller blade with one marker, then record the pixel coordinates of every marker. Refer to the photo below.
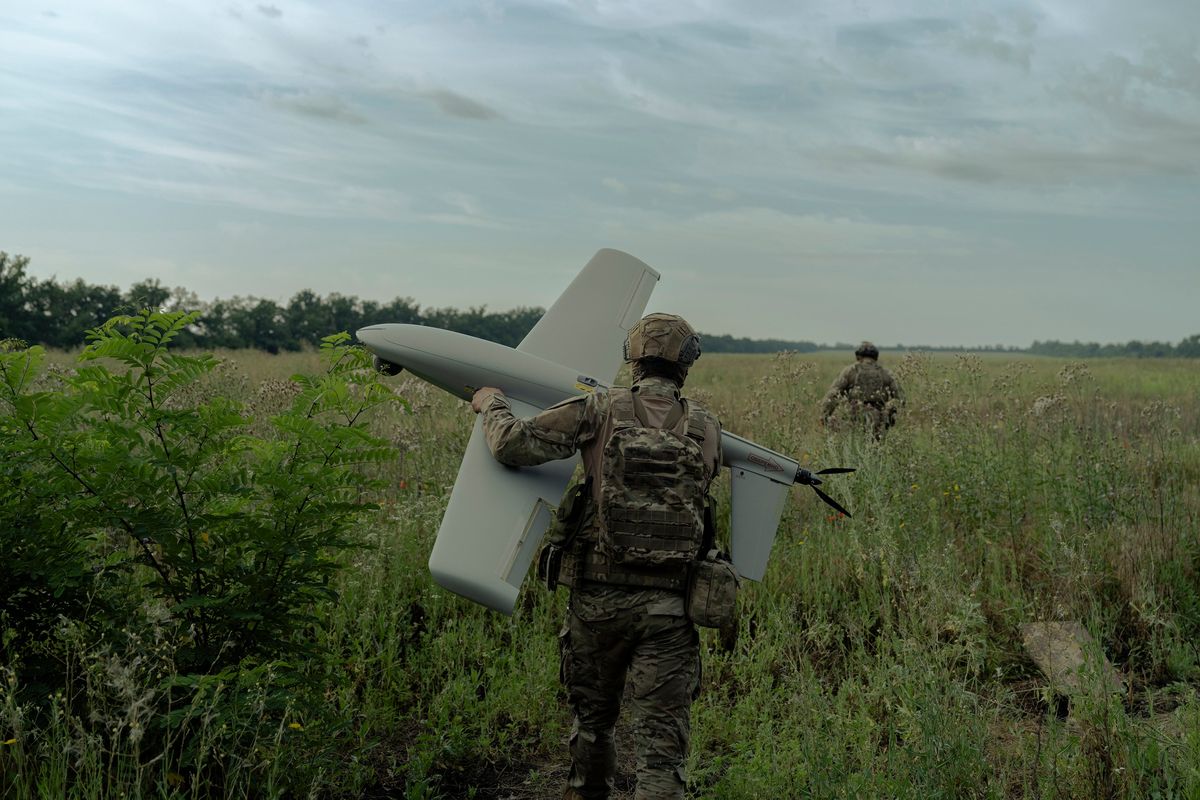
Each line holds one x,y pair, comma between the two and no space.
833,503
810,479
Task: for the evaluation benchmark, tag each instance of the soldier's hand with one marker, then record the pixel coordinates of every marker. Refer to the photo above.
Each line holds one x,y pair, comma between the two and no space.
481,397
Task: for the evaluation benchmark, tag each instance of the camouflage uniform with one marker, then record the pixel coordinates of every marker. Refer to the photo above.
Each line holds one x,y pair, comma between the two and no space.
872,393
614,632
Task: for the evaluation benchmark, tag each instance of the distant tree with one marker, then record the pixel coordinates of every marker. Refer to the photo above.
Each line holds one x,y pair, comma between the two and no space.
14,292
262,324
307,320
402,310
1189,347
61,314
149,293
724,343
342,314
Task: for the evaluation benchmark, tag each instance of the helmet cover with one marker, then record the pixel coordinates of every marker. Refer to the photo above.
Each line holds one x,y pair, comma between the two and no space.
867,350
665,336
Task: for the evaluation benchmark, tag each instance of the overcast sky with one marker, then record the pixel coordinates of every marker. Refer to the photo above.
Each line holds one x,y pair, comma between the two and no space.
915,172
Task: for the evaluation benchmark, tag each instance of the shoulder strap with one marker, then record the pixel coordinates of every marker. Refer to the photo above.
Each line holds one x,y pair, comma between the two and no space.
622,406
697,423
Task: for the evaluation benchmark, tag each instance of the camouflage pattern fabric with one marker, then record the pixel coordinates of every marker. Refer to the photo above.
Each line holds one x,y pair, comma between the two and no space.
604,643
582,424
664,336
871,393
653,489
615,634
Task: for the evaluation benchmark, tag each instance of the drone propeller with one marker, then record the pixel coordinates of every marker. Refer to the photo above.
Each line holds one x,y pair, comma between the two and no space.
808,478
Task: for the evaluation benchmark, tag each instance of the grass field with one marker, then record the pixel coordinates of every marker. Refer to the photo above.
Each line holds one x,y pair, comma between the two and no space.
881,656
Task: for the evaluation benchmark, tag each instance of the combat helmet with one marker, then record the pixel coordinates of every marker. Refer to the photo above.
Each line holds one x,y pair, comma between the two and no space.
665,336
867,350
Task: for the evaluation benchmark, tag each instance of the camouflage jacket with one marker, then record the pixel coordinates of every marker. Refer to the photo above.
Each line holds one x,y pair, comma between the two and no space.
864,382
583,424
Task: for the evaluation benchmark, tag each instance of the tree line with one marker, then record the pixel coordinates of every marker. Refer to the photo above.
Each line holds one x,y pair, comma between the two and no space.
1188,347
59,314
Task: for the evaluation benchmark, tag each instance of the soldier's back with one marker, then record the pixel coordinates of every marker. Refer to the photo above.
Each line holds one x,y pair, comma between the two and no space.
873,383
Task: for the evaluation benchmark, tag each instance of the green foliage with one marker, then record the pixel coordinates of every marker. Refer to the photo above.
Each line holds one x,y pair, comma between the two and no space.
137,505
59,314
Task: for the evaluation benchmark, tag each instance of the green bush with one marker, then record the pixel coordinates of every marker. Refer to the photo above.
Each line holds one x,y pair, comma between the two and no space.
138,506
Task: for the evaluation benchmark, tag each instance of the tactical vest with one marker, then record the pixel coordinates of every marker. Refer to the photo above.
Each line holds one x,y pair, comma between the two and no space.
650,523
870,385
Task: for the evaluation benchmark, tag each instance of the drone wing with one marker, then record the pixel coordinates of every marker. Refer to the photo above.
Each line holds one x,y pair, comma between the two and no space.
761,480
585,328
497,515
494,522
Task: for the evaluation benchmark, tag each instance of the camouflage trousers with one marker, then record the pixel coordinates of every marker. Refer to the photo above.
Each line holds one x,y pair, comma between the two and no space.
876,419
660,654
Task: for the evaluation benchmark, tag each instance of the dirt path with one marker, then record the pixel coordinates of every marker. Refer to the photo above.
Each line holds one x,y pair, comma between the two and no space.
551,776
517,779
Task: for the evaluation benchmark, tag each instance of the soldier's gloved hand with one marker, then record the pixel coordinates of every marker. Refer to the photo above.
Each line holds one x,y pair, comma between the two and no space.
481,397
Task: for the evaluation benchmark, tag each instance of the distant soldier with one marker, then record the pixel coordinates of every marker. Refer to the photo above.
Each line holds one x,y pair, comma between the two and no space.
870,392
626,541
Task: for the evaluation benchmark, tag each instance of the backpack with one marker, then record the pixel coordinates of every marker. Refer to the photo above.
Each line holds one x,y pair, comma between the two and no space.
653,487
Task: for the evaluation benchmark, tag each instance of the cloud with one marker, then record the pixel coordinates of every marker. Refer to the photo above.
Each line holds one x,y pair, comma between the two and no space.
724,194
456,105
466,212
463,220
311,199
269,11
778,234
318,105
614,185
1158,86
155,146
1025,161
639,96
875,37
1007,40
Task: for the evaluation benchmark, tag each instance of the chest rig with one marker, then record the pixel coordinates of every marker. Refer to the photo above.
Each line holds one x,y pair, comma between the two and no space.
650,522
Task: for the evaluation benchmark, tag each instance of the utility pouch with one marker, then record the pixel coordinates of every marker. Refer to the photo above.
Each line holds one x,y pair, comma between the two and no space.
712,592
568,520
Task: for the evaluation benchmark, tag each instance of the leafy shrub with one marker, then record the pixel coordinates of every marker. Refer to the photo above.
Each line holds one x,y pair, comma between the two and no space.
136,505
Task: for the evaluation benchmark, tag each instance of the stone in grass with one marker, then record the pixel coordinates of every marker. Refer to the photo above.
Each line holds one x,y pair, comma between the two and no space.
1059,648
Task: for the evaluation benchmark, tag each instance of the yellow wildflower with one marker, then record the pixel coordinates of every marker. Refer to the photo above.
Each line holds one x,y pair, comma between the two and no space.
296,726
